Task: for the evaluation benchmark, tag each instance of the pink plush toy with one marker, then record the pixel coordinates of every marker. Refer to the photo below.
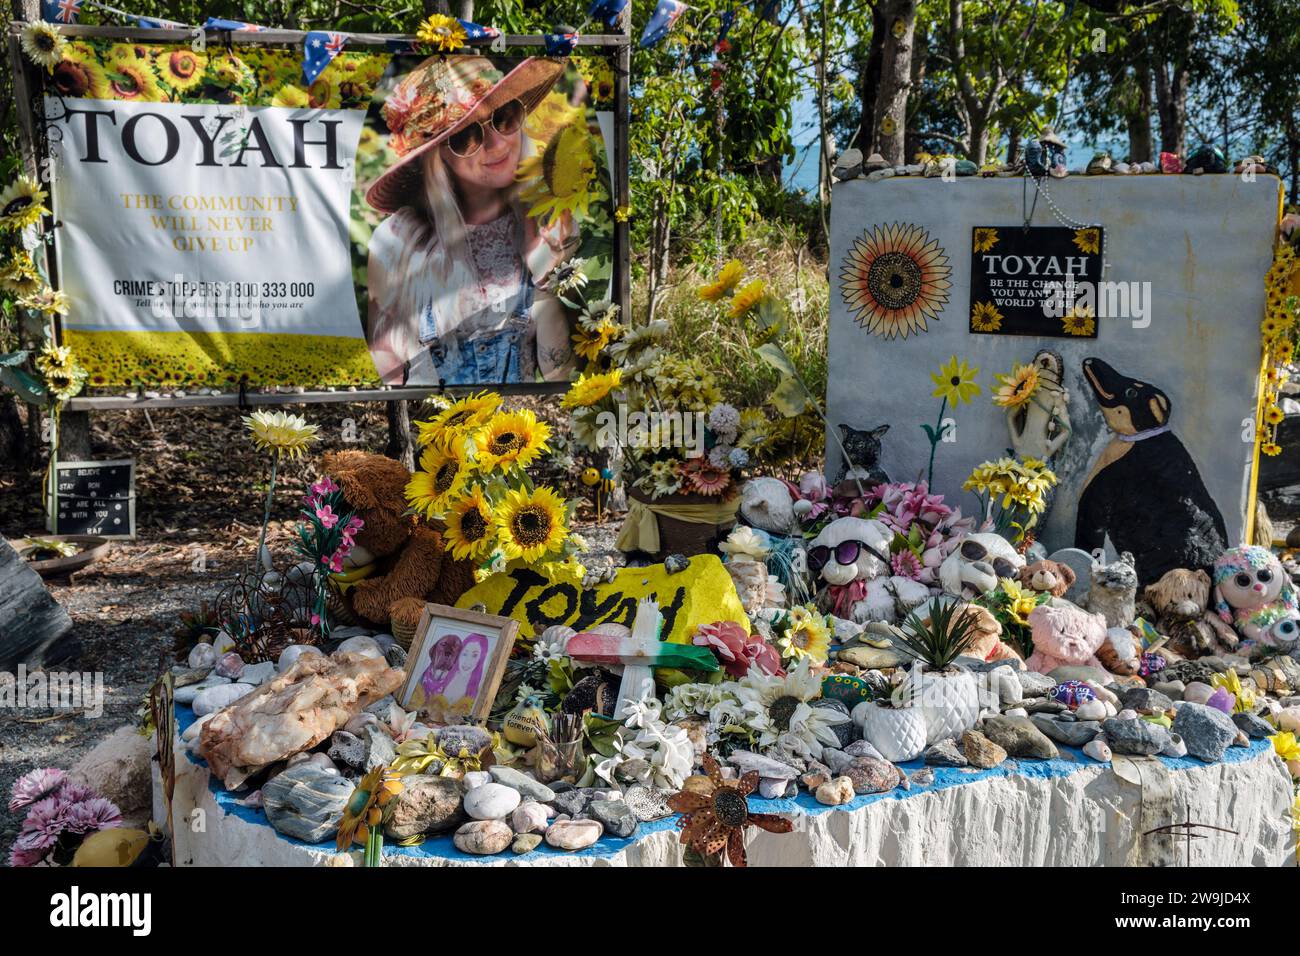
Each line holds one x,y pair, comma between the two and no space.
1065,635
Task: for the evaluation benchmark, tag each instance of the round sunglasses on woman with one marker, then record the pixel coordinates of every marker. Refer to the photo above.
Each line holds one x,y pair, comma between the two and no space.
505,119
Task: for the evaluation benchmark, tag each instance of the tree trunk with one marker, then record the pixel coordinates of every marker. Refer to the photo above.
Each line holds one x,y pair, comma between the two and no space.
1172,77
895,80
13,434
920,52
400,446
1013,144
74,436
467,9
1293,157
1139,117
869,80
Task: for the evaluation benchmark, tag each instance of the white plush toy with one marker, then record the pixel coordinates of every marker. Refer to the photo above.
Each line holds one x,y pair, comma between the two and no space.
977,564
850,556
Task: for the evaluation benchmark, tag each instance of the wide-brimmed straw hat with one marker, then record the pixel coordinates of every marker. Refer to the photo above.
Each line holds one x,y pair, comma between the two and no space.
436,100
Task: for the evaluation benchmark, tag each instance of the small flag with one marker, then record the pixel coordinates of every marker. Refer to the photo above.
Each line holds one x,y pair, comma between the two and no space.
319,48
157,23
60,11
217,23
728,18
662,20
607,11
560,44
476,31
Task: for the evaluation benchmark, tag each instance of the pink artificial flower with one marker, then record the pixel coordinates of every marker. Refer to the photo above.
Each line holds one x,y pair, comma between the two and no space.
336,562
43,825
75,793
764,656
24,856
907,565
355,524
326,516
35,785
727,641
92,815
315,620
813,486
325,486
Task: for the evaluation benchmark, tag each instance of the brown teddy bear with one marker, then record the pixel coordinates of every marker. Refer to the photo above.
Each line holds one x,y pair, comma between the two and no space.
987,644
1179,609
1050,576
409,552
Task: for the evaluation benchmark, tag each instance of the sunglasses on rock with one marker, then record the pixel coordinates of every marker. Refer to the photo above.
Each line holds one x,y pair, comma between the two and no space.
505,119
846,552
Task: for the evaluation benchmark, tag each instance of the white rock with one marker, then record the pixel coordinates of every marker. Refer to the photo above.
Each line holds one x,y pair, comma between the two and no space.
1177,747
257,673
529,817
573,834
1128,713
223,642
292,653
491,801
1097,749
361,644
1017,712
212,699
1197,692
192,731
186,694
1091,710
202,654
1111,709
323,761
476,778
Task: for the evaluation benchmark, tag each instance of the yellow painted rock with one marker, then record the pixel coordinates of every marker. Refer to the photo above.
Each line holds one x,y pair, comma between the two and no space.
522,725
116,847
538,596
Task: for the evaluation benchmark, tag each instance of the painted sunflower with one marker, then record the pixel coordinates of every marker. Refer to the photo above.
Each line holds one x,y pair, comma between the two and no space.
1017,387
22,204
443,33
1088,240
364,808
180,68
511,439
563,178
440,480
716,818
79,75
291,97
589,389
985,317
531,525
133,79
469,526
728,278
985,239
955,381
747,298
895,279
1079,321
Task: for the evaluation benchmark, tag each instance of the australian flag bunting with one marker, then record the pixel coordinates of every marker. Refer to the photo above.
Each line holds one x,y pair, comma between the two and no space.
319,48
60,11
476,32
666,14
559,44
608,12
217,23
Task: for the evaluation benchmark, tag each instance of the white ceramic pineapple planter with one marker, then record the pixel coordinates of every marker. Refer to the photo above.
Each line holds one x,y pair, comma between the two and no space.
898,733
949,700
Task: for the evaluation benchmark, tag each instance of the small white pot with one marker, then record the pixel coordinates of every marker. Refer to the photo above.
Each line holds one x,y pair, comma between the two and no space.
950,702
899,734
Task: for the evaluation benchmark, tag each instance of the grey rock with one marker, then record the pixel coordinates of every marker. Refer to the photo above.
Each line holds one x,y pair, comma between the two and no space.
530,789
1206,731
1080,672
848,165
347,749
256,674
1019,738
616,816
572,802
1034,684
1173,689
772,788
1253,725
863,748
1136,738
1074,733
395,656
425,805
306,802
945,753
1045,705
1144,698
676,563
745,762
212,699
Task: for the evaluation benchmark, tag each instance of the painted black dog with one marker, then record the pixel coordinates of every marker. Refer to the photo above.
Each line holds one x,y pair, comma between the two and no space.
1144,490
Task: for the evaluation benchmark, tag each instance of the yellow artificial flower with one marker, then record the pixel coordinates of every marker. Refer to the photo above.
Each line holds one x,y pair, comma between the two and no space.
622,213
728,278
281,432
22,204
444,470
469,531
807,636
43,44
985,239
530,525
47,301
1271,449
955,382
985,317
746,298
590,342
443,33
1088,240
364,809
465,415
1230,682
19,275
1284,352
1274,415
1286,746
1017,387
589,389
1021,600
511,439
60,371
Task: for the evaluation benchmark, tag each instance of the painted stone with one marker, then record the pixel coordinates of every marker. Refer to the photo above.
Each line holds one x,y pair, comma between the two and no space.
847,688
306,802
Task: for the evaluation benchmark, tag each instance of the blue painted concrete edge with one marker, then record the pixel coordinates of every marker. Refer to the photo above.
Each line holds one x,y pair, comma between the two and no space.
1071,761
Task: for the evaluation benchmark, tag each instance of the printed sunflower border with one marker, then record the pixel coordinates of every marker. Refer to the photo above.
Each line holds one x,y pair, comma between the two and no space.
895,280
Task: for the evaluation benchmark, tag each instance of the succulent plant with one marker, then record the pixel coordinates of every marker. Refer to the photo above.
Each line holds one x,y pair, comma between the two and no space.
940,636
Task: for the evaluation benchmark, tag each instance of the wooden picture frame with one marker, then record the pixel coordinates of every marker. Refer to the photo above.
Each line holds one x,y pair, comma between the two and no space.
442,673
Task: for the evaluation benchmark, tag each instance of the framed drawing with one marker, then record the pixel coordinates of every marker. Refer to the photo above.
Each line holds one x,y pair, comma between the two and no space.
455,663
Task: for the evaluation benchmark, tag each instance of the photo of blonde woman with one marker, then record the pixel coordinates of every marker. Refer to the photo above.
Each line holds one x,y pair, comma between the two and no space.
457,271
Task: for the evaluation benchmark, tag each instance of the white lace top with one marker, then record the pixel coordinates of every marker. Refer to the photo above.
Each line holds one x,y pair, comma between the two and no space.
495,248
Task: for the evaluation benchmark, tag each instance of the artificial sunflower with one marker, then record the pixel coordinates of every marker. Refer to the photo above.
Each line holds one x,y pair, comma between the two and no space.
728,278
589,389
590,342
281,432
464,415
444,469
1079,321
19,275
47,301
562,179
469,526
985,317
1272,449
43,44
443,33
806,637
955,382
1017,387
985,238
895,279
180,67
63,376
22,204
530,525
747,298
1274,415
511,439
1088,240
568,277
365,808
716,819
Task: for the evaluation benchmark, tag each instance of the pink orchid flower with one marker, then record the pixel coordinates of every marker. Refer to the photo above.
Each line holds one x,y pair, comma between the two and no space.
326,516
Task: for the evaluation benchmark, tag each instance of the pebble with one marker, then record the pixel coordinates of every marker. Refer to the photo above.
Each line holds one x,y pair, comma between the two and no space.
1172,689
615,816
476,778
835,792
1197,693
573,834
230,665
525,843
362,644
528,787
1091,710
258,673
1019,737
572,802
1175,748
1253,725
1074,733
202,654
945,753
425,805
186,694
1034,684
212,699
1097,750
291,654
483,837
980,751
870,775
773,788
1138,738
529,817
491,801
1146,699
1208,732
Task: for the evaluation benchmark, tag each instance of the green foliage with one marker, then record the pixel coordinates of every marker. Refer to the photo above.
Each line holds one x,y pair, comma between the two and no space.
941,636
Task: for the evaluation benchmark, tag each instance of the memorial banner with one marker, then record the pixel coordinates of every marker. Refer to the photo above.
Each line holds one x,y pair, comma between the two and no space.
404,219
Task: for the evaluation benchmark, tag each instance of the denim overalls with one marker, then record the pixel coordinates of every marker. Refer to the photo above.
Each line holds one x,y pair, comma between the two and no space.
482,358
